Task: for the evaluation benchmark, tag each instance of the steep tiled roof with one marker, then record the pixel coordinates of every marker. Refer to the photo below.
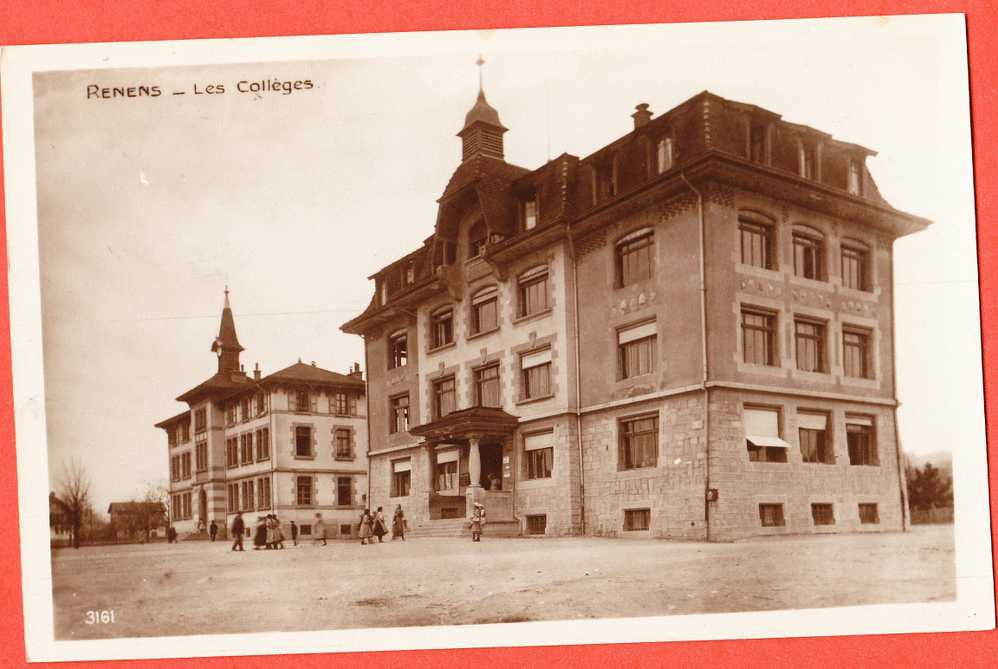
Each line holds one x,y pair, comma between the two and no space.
220,382
302,373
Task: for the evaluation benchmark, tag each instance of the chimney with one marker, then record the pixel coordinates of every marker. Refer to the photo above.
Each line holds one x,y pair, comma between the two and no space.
355,371
642,115
256,371
313,363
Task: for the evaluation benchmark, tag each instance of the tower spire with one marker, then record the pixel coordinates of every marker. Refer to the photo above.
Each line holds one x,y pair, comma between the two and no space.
226,345
481,66
482,131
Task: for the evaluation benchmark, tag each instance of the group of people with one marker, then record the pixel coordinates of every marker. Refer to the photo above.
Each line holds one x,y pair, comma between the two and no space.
267,533
374,525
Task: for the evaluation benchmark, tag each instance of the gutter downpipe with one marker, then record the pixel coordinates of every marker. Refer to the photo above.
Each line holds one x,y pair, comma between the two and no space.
703,344
578,383
902,474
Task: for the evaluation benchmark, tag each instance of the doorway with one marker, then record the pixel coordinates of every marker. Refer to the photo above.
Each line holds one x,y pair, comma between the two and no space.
491,466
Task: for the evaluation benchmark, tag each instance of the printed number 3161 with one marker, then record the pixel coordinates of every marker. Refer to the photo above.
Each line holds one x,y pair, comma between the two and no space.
105,617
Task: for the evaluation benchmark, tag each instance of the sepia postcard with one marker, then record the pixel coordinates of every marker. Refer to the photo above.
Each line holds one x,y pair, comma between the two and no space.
496,338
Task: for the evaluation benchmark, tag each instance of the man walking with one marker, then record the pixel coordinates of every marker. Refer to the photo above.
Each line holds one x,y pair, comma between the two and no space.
294,533
237,531
212,530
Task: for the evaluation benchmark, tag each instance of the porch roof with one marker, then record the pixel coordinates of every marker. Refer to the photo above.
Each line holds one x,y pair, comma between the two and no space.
476,422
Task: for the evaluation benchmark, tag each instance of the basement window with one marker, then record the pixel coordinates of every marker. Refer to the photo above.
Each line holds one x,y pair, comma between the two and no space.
823,514
537,524
637,519
771,515
868,514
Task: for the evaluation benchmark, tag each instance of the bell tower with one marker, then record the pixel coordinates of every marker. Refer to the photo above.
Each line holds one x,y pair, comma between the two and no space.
226,345
482,132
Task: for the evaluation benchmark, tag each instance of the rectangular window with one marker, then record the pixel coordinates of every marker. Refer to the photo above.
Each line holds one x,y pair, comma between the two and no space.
231,452
861,441
398,350
305,530
344,450
201,453
344,490
303,490
261,404
634,256
815,446
303,441
263,444
636,520
185,461
538,455
529,213
399,414
188,509
854,267
759,337
663,155
771,515
263,493
810,343
487,386
302,401
200,420
868,514
233,497
532,291
823,514
171,436
443,397
345,530
855,179
762,435
244,409
230,414
246,448
247,495
636,350
340,404
638,443
485,310
809,256
175,468
757,244
447,470
442,328
537,524
856,353
401,477
536,374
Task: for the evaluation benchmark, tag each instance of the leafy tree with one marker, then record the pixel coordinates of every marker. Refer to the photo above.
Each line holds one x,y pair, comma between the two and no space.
928,488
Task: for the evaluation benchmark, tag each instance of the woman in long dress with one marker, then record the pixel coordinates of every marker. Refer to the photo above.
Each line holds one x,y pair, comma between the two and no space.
398,524
260,533
271,532
380,528
365,527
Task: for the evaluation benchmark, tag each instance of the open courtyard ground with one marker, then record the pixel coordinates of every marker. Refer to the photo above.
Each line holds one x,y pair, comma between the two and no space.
203,588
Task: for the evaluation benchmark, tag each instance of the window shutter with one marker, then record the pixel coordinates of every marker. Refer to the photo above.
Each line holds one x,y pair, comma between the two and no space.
313,399
293,441
315,441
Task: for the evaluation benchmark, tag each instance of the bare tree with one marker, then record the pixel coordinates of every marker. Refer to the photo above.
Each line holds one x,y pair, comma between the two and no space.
74,491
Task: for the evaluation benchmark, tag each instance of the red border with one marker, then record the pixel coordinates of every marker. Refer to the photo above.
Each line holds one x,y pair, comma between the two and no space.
55,21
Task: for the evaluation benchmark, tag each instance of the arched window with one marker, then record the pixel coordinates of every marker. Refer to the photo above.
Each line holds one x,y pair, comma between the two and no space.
758,240
532,291
485,310
442,327
809,253
477,238
635,257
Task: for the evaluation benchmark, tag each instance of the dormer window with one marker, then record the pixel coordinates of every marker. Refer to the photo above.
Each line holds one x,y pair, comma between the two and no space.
604,180
807,159
410,274
384,292
477,239
757,142
854,178
663,155
528,213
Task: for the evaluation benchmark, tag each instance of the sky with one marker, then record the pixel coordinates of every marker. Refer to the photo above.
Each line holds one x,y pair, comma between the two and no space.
149,207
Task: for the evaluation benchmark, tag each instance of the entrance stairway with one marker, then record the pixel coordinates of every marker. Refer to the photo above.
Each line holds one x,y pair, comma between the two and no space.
457,527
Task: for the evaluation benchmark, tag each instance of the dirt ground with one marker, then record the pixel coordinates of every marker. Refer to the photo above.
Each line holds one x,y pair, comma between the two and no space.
203,588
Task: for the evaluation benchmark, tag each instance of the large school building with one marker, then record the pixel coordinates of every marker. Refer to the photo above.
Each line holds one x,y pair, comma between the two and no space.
292,443
688,333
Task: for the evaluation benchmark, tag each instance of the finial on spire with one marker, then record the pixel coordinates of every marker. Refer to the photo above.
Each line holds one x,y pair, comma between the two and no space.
226,296
481,66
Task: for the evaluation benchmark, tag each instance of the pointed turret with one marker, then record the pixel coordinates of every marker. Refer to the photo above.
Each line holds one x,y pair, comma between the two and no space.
482,132
226,345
